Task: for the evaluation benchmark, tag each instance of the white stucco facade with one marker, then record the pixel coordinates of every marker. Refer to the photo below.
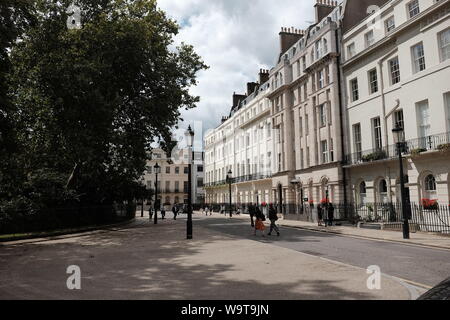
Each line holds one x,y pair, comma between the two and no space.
398,70
243,143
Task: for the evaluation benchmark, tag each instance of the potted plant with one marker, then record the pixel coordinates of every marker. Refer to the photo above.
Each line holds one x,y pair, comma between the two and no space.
444,147
374,156
416,152
429,204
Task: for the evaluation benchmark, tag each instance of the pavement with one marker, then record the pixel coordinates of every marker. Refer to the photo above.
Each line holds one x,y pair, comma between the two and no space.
147,261
419,238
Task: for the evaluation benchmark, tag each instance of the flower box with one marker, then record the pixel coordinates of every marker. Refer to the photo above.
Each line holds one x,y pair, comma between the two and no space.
429,204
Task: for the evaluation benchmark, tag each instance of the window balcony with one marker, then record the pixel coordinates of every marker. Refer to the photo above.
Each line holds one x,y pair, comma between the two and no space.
241,179
413,148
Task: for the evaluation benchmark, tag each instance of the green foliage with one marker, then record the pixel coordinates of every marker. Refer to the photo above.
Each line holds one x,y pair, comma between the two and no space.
444,147
377,155
418,151
97,97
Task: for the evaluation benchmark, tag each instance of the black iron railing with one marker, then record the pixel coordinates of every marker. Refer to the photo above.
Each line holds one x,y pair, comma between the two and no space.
421,218
246,178
411,147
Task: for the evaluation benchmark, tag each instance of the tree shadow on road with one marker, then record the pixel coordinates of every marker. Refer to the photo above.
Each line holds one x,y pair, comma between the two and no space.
148,262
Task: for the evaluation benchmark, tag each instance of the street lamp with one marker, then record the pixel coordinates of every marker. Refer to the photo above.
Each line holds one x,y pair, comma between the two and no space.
190,142
229,180
157,171
399,139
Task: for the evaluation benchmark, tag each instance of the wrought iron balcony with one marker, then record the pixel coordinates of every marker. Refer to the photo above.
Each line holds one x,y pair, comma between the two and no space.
246,178
439,142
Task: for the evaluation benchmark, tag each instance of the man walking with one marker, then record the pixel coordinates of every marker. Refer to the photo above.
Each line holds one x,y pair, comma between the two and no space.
273,217
175,212
252,213
330,214
163,212
320,215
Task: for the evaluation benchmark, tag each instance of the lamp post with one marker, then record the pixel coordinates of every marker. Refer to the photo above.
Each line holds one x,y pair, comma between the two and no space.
190,142
229,180
157,171
399,139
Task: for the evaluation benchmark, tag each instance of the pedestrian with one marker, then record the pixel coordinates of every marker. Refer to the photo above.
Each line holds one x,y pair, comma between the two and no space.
150,213
259,223
175,212
330,214
251,212
320,214
206,210
163,212
273,217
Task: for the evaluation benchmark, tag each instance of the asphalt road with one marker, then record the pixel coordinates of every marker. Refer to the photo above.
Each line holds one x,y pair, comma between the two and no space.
421,265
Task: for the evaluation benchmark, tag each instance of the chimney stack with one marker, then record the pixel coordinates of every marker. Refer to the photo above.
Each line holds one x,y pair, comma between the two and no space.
288,37
263,76
251,86
237,98
323,8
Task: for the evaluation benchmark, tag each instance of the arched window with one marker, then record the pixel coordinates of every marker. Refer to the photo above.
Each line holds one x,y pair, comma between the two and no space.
362,188
177,200
167,200
383,186
362,193
430,183
383,191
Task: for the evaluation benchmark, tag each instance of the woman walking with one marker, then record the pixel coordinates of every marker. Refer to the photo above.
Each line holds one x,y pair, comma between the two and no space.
259,223
273,217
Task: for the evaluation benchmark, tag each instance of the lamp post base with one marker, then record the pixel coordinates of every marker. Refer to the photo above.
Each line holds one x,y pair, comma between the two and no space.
406,230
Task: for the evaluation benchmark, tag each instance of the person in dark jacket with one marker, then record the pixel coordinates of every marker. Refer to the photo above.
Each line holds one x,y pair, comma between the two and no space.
320,214
273,217
330,214
175,212
252,212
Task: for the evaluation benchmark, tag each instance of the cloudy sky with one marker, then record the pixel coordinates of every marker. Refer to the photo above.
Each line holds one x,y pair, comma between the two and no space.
235,38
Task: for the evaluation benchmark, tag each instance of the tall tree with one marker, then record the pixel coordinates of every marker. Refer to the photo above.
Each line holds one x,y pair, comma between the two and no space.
15,17
99,96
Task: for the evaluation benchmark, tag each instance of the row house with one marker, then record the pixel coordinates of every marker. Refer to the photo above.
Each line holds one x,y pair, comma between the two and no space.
242,145
337,91
305,110
396,67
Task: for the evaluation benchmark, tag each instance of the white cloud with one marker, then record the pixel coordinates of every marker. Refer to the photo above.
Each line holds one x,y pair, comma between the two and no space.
235,38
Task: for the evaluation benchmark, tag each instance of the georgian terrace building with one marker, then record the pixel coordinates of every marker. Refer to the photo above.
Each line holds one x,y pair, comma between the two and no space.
396,66
305,111
243,143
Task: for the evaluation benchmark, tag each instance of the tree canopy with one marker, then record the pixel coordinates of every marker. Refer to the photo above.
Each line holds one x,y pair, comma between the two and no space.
94,98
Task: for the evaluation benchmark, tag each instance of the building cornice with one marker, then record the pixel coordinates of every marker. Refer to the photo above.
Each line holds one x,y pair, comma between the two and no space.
391,38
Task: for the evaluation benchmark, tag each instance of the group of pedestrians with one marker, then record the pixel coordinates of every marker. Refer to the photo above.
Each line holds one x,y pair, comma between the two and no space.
207,211
257,218
325,211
